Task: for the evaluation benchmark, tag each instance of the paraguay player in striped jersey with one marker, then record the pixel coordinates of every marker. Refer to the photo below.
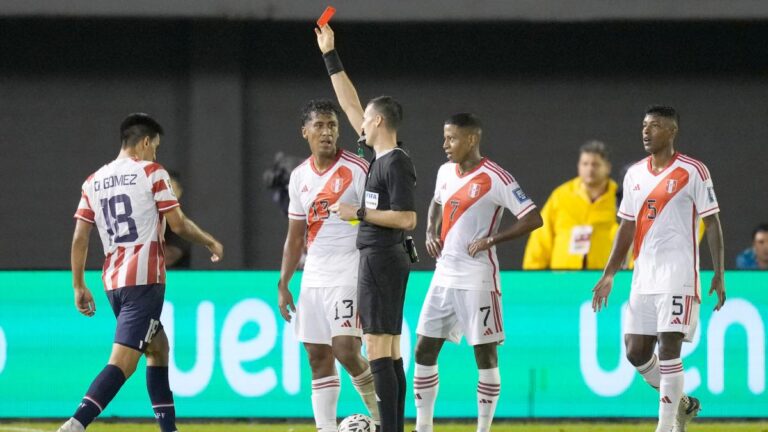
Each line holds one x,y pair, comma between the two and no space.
471,194
129,200
665,195
327,321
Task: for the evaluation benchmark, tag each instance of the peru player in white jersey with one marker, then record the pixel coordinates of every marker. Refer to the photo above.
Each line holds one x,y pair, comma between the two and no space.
665,195
471,194
326,317
129,200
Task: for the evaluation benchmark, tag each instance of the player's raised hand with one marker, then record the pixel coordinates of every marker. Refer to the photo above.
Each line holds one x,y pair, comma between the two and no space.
217,251
480,245
325,38
84,301
718,286
285,302
434,245
601,292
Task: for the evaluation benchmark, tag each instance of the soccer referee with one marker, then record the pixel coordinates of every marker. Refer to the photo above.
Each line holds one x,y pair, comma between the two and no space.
388,210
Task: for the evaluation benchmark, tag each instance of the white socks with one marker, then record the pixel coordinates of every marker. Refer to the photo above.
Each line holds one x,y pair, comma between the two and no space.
488,389
650,372
364,385
325,397
425,386
670,392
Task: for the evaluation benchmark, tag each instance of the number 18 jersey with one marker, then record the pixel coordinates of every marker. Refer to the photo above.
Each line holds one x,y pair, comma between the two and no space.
666,208
125,199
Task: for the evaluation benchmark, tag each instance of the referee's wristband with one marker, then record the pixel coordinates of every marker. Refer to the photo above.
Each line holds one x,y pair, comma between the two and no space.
361,213
333,62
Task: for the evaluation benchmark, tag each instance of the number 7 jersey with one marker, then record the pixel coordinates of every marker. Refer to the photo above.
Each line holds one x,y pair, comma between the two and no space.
666,208
125,199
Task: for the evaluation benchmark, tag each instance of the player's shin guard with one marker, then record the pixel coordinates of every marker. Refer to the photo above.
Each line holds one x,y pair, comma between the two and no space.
488,390
101,392
325,397
364,385
387,390
425,386
160,395
650,372
670,391
402,385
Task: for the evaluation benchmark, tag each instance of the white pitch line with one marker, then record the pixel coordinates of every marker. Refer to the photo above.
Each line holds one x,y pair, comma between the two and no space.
19,429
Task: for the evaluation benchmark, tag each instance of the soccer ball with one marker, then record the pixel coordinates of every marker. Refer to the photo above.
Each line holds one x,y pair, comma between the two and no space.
357,423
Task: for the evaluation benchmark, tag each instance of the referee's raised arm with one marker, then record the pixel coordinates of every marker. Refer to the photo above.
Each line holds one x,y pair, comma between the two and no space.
342,85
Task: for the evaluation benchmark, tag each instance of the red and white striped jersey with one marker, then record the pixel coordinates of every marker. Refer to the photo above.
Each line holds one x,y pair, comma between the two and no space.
473,204
332,256
125,199
666,208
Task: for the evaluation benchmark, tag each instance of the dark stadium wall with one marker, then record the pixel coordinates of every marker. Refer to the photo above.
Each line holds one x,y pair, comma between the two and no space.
228,94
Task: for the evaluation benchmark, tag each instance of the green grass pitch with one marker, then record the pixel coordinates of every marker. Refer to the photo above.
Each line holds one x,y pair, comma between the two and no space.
440,427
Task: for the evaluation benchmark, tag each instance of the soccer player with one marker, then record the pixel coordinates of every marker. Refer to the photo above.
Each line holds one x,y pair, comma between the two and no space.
130,200
471,193
388,211
327,315
665,194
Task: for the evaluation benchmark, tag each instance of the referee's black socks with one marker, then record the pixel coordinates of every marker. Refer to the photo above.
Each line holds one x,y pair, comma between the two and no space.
387,385
400,374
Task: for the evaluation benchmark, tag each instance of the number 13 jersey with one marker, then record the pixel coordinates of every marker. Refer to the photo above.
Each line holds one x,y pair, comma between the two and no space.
125,199
472,205
666,208
332,257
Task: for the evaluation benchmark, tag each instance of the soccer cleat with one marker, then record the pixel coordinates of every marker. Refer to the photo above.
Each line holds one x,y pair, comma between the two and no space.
688,409
71,425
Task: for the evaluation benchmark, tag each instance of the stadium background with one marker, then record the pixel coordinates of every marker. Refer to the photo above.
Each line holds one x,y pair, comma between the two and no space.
227,78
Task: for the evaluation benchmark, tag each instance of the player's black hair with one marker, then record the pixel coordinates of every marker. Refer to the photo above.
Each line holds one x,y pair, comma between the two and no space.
390,109
595,147
320,106
663,111
760,228
465,121
136,126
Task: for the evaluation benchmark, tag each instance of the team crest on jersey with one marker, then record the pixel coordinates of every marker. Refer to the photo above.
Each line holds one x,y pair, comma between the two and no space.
337,184
671,185
474,190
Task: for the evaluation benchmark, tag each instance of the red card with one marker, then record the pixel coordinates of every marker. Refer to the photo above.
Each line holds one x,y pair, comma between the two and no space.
326,16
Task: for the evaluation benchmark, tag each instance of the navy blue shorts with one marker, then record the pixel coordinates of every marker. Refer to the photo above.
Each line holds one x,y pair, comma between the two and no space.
137,309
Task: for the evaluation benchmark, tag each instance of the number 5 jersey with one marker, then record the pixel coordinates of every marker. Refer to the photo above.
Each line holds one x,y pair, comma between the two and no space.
125,199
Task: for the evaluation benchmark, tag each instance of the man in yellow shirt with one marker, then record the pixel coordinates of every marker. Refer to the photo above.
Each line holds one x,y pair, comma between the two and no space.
579,218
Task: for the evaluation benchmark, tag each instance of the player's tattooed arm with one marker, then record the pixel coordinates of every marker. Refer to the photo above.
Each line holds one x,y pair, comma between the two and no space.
714,233
292,251
531,221
434,219
342,85
624,239
83,298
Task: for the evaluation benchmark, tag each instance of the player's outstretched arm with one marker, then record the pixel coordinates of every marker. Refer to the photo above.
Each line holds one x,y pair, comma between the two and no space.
523,226
715,240
83,297
624,238
342,85
434,220
188,230
292,251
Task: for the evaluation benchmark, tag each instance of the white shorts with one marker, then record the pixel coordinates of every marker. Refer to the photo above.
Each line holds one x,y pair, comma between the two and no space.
324,313
449,313
649,314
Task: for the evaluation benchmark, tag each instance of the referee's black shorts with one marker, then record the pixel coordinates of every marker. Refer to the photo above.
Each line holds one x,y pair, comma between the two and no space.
382,278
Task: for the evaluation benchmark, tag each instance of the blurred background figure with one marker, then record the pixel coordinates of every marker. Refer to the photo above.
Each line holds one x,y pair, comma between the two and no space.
277,177
579,218
755,257
177,250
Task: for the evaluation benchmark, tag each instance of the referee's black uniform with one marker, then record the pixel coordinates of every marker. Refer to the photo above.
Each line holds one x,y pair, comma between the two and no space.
384,261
